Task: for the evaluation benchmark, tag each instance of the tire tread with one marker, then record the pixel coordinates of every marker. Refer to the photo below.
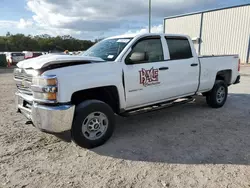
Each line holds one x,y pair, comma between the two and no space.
211,96
81,112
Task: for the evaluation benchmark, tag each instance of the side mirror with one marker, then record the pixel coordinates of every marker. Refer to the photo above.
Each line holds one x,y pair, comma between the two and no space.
138,57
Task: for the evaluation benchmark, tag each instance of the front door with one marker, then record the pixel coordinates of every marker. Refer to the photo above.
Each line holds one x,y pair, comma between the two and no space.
143,79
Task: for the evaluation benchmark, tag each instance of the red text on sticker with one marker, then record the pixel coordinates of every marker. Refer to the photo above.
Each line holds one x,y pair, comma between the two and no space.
149,77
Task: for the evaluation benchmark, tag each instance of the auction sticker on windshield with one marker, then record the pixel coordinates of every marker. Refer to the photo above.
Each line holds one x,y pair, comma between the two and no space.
123,40
110,56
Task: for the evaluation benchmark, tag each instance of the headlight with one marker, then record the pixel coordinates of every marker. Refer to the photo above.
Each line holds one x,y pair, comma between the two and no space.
44,81
44,89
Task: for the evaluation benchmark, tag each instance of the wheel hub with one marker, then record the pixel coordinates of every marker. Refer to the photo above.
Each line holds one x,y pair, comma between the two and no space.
95,125
221,93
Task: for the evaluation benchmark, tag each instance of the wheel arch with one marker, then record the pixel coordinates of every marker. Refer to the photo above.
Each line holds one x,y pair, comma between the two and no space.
225,75
107,94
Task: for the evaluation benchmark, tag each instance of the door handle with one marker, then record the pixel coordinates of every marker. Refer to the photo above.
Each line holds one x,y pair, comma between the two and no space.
194,65
163,68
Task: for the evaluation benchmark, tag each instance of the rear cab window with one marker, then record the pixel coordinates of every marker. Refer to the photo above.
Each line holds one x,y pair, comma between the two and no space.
179,48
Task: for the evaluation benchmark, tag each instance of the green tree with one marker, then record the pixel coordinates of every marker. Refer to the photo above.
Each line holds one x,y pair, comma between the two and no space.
45,42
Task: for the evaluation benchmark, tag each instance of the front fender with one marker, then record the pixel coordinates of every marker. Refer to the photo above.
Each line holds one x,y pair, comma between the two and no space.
80,77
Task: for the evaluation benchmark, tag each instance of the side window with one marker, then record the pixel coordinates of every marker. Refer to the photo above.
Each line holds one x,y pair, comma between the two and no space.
146,51
179,48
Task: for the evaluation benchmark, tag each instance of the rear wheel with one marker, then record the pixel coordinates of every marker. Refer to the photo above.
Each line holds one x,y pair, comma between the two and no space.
93,124
217,97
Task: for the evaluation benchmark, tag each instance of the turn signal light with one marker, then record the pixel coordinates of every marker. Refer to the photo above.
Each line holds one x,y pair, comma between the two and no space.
44,96
51,96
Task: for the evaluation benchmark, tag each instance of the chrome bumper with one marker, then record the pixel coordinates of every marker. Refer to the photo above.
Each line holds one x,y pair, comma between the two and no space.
52,119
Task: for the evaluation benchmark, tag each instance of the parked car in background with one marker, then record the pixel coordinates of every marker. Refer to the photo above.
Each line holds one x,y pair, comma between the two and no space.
29,54
14,57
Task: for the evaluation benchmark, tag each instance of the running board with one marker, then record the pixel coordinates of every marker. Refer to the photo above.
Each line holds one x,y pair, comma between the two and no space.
157,107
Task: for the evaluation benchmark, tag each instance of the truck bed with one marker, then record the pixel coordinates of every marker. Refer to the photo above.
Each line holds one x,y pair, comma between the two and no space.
210,65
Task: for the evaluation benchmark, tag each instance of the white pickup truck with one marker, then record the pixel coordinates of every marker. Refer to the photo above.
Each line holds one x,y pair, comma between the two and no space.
122,75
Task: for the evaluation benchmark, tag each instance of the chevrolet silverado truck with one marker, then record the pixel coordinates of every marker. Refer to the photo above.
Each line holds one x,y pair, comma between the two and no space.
122,75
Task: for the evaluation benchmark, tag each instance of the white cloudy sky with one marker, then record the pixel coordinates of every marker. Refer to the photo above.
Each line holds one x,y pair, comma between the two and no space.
90,19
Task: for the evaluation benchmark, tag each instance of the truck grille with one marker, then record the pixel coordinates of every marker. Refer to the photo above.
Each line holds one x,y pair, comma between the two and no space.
23,81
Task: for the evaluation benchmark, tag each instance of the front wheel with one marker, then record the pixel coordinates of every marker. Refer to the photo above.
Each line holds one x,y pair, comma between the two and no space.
93,124
217,97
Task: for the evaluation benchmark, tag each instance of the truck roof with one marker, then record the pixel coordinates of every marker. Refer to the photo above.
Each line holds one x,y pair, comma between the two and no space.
146,34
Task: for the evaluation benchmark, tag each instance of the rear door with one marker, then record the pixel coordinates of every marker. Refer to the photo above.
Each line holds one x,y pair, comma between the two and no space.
144,82
183,73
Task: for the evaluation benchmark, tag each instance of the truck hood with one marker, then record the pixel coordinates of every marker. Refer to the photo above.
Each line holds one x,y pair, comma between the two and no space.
49,59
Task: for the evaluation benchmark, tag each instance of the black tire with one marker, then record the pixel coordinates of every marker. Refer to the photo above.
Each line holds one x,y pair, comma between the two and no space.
83,110
212,96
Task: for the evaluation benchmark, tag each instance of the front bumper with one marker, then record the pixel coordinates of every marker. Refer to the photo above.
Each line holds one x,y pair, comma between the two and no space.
52,119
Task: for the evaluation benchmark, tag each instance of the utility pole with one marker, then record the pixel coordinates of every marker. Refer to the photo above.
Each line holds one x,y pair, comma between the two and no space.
149,16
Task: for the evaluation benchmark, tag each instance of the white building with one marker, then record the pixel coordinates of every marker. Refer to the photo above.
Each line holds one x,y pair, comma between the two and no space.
222,31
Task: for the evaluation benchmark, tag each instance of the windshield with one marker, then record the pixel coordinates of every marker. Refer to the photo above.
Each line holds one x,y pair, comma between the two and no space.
107,49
